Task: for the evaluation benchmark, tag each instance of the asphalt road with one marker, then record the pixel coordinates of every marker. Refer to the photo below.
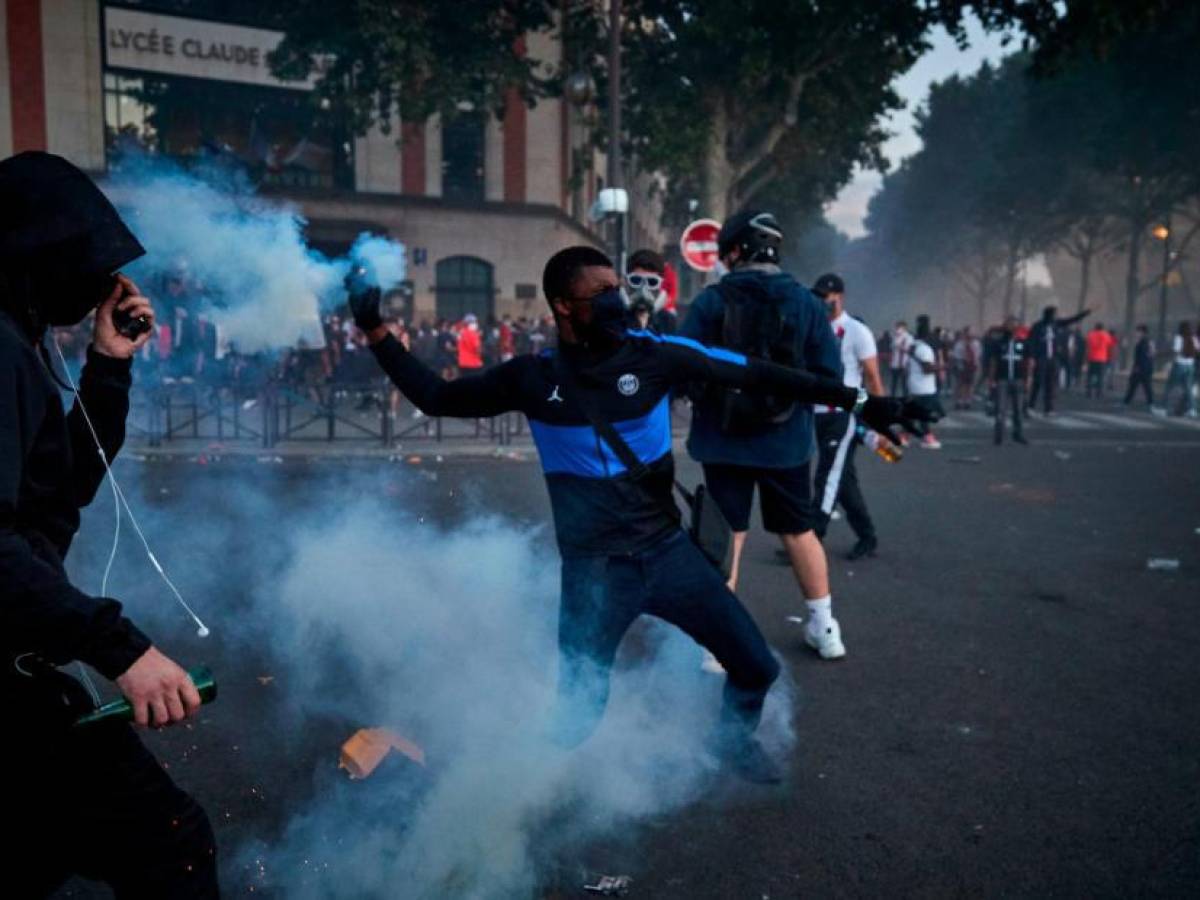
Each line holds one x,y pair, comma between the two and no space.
1018,714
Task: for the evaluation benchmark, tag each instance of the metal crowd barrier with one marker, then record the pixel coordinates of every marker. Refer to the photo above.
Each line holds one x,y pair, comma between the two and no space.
279,412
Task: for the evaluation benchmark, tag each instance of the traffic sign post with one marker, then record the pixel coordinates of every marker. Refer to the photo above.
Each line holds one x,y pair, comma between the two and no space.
698,245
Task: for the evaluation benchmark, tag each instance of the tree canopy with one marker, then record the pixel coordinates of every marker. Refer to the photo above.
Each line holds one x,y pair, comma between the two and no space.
1084,157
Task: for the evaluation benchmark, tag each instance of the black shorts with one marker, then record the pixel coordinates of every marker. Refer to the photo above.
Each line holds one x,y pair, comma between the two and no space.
785,496
930,402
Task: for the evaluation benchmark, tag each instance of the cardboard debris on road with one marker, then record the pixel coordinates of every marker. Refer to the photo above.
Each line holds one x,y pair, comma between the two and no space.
610,885
368,747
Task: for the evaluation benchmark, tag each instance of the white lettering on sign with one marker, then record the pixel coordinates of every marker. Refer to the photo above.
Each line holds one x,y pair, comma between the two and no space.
171,45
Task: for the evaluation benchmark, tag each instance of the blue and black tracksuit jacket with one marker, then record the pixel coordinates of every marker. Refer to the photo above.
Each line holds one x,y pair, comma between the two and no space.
599,510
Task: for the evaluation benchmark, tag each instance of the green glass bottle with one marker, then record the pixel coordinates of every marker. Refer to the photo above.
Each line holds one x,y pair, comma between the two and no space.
122,711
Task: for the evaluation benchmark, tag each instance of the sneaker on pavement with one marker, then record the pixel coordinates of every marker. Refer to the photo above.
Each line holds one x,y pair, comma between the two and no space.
826,641
930,442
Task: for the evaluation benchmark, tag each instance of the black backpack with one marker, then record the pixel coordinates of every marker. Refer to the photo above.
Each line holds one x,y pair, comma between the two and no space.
753,323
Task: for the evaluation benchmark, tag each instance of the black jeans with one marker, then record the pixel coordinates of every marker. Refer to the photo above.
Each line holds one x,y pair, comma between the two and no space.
1045,379
837,479
601,598
93,802
1095,379
1008,393
1143,379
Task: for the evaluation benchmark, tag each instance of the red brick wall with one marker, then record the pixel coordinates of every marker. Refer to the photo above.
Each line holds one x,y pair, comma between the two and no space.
515,116
412,158
26,78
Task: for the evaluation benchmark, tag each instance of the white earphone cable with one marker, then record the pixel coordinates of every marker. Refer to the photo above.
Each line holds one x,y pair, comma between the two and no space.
120,502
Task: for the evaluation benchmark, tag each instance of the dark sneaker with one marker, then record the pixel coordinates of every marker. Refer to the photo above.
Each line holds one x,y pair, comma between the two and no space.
1019,439
865,547
747,759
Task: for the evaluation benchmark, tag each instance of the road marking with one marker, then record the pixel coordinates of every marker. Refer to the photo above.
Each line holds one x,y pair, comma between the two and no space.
1123,421
1061,421
972,419
1178,420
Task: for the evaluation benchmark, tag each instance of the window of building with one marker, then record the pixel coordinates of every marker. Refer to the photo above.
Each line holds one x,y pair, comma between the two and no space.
462,157
464,284
282,137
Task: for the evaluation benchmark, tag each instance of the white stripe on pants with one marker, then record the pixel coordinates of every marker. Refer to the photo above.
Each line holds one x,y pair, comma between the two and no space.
834,480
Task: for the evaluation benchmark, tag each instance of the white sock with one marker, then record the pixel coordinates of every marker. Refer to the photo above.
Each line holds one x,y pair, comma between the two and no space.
820,612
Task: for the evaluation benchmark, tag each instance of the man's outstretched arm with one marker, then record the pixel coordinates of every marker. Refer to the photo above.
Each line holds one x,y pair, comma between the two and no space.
688,360
476,395
1068,322
486,394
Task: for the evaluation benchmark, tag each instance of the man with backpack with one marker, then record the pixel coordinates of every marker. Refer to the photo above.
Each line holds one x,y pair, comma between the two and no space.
745,440
599,412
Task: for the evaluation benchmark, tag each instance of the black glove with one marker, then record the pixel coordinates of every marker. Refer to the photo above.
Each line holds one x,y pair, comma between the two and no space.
364,304
883,413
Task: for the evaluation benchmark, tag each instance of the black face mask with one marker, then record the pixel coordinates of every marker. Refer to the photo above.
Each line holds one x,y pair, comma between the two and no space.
66,299
608,320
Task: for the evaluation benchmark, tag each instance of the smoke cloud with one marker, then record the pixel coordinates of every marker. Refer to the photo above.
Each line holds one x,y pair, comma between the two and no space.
245,255
448,636
373,615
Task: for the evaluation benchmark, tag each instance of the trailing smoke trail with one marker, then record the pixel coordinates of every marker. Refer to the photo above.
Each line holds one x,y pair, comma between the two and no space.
448,636
263,287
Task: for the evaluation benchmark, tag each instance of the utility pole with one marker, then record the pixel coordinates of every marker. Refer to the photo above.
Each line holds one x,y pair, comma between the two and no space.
1165,232
614,123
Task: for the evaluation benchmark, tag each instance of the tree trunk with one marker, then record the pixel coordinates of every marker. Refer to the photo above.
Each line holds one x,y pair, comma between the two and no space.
1132,283
718,170
1010,279
1085,279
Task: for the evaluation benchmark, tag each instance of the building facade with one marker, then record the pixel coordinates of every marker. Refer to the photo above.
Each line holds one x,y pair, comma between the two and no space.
478,203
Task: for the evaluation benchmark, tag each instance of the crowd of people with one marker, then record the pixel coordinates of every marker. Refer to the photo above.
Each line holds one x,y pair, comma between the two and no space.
1052,355
187,348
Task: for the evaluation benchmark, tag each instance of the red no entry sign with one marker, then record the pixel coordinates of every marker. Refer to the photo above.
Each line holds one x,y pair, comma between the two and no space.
699,244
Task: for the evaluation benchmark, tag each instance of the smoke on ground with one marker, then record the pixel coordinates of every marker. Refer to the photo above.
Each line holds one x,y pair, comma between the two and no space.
448,636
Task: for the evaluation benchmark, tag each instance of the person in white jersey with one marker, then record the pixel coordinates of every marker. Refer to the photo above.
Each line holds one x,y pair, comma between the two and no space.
923,367
837,479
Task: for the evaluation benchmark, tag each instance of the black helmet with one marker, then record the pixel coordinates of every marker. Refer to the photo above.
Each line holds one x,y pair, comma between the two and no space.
755,233
61,240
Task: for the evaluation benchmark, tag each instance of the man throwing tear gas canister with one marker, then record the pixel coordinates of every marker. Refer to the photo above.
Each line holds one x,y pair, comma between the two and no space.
92,800
599,411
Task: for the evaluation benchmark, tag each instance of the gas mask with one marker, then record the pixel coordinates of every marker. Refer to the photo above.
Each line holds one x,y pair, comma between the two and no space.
646,286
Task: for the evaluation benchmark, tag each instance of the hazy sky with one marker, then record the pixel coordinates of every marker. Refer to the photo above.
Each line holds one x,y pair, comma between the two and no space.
942,60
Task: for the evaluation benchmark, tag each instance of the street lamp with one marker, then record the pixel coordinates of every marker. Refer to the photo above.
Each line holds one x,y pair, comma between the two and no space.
579,88
1163,233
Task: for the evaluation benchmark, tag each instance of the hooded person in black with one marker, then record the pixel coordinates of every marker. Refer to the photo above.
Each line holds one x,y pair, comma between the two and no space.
1047,347
89,801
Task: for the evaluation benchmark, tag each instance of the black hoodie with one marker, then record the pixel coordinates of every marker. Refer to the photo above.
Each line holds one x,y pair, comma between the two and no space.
57,228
